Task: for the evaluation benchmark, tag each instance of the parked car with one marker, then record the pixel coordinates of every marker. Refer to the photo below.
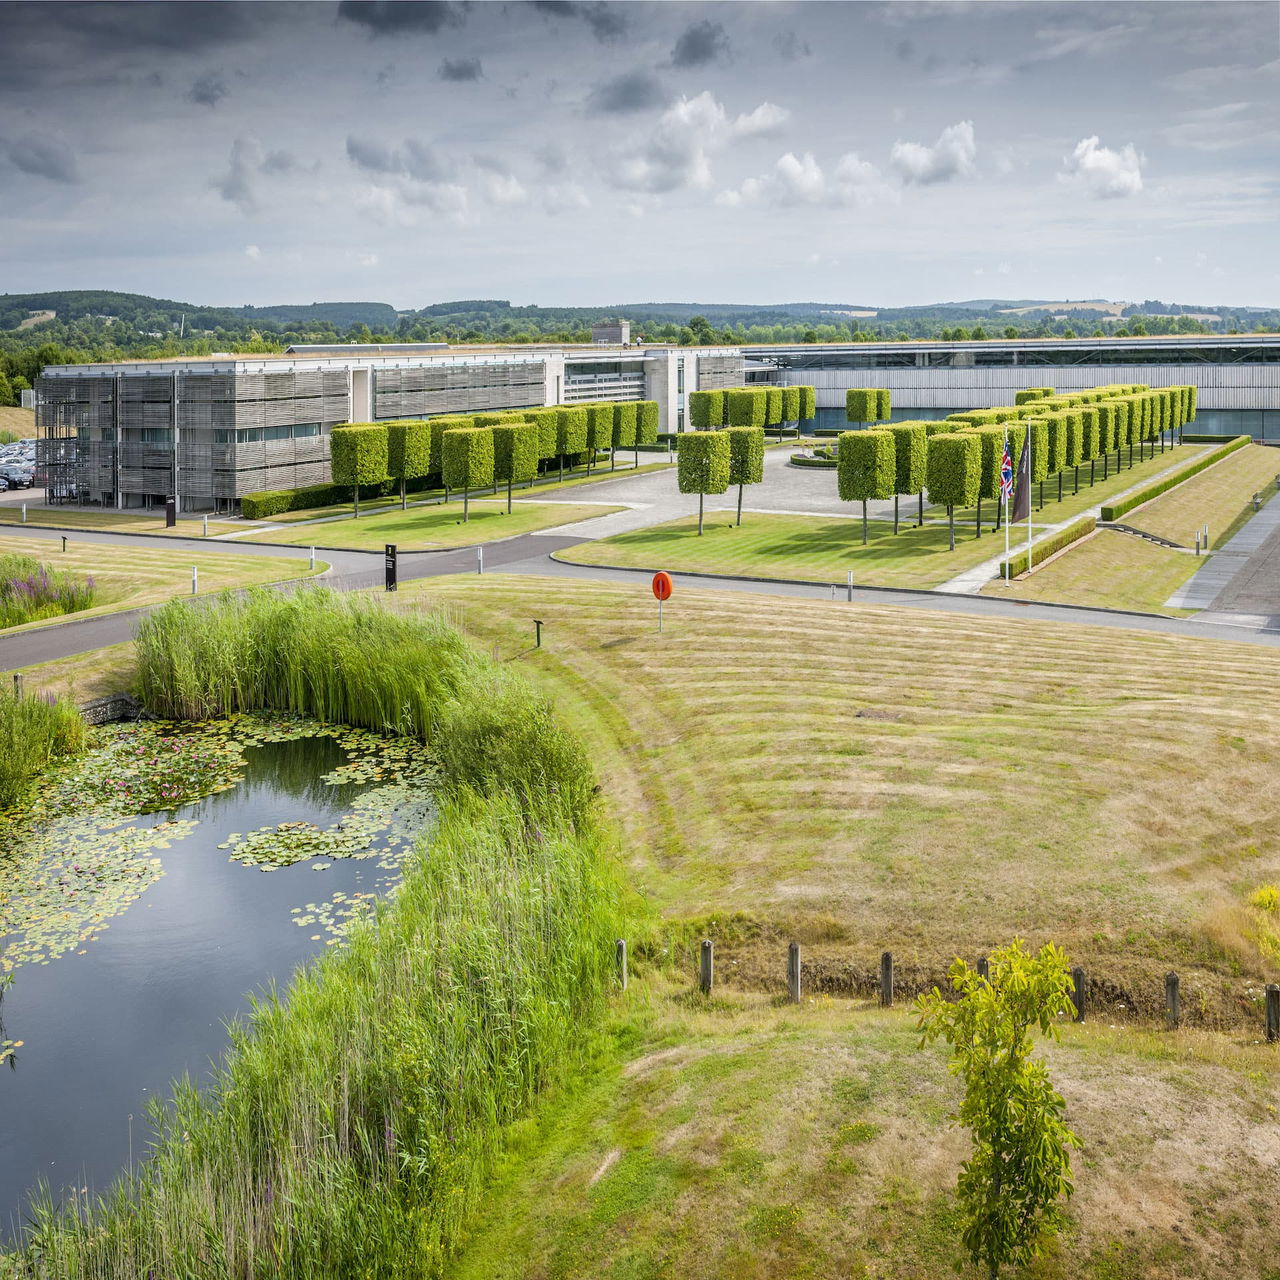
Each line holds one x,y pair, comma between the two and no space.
18,477
4,484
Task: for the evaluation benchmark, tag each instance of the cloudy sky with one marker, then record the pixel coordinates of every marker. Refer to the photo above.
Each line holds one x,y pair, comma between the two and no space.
574,152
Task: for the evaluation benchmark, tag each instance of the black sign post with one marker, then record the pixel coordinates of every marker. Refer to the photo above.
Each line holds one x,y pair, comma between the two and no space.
170,512
391,566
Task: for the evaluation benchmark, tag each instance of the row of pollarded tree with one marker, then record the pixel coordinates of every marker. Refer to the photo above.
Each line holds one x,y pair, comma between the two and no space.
751,407
959,460
476,451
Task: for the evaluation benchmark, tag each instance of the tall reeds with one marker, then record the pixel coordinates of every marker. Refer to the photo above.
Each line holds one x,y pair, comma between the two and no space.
29,591
34,733
353,1125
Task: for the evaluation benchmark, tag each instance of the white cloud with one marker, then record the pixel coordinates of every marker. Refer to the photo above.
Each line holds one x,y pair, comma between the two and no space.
801,180
252,251
952,156
678,152
504,188
1106,173
367,259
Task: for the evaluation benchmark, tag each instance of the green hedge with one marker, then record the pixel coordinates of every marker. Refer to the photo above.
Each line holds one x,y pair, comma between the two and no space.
932,428
515,451
408,451
571,430
1155,489
548,424
791,404
992,439
746,455
773,406
808,403
825,464
745,407
1056,455
625,417
862,404
437,428
273,502
1041,551
703,458
866,467
600,426
646,422
1106,412
910,454
358,454
1038,431
954,469
706,410
468,458
1032,393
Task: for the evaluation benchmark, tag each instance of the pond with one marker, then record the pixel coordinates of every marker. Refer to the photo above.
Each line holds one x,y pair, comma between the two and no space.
131,941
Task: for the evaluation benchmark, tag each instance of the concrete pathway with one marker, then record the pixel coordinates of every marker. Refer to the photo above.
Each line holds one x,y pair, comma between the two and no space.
1244,575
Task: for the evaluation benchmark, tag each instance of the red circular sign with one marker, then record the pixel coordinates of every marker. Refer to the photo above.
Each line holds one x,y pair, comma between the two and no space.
662,586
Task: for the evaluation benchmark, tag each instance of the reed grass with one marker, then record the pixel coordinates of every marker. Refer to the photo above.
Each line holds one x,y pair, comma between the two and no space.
30,591
34,733
352,1126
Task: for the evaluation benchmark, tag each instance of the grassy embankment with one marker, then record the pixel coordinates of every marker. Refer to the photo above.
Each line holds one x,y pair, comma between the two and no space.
351,1130
127,577
21,422
824,549
110,521
1119,571
437,527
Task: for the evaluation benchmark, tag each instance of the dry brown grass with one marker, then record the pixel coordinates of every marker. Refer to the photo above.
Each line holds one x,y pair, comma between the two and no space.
870,778
23,421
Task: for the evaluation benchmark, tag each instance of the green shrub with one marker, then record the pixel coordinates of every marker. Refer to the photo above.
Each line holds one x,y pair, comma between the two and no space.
1056,457
867,467
1157,487
1189,414
808,403
35,734
468,461
745,406
625,421
515,453
862,404
1038,433
646,422
746,458
599,428
993,439
273,502
571,430
437,427
358,456
773,406
954,472
1106,415
408,452
1048,546
791,404
1090,433
547,421
911,454
1073,437
706,410
933,428
1031,394
702,459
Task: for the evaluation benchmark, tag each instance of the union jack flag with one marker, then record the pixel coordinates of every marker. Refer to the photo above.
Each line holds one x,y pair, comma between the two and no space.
1006,473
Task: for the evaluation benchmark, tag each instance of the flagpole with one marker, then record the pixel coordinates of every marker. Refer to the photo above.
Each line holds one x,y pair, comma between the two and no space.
1006,515
1031,470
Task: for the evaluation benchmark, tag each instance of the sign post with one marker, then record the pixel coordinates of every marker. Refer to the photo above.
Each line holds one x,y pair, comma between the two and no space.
662,590
170,513
391,566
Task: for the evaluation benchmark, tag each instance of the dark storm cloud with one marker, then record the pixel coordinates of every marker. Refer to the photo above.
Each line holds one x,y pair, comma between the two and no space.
236,185
208,91
461,69
632,91
400,17
41,158
700,43
607,21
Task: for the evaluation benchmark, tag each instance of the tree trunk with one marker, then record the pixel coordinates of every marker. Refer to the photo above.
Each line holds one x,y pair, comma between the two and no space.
700,500
920,521
1075,480
895,514
951,517
977,524
1059,486
739,504
1106,465
355,498
562,466
864,522
999,514
1093,462
404,502
466,505
613,459
508,495
1041,506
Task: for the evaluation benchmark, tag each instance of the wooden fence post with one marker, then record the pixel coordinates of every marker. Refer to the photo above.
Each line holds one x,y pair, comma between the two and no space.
984,969
1273,1012
1077,992
886,979
706,966
622,962
1171,1001
793,972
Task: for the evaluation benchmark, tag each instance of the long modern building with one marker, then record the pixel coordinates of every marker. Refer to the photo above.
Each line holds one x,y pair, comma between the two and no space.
210,430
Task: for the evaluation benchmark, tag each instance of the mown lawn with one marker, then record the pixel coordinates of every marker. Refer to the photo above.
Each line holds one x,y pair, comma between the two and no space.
1220,497
1109,570
807,548
737,1139
130,576
870,778
430,528
113,521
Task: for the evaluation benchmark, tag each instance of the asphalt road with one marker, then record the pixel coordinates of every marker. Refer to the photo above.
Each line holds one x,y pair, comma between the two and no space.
529,554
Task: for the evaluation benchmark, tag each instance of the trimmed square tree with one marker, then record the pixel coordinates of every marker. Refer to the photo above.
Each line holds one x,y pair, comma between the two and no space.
702,459
808,403
599,431
625,418
468,462
910,455
646,425
358,456
547,422
746,458
865,468
408,453
791,406
515,453
954,473
745,406
706,410
773,402
571,433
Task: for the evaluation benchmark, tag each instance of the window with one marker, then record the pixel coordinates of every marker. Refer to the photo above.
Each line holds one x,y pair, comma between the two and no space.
277,433
306,429
157,435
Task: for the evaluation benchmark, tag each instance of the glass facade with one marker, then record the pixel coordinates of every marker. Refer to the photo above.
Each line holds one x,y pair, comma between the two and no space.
928,357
